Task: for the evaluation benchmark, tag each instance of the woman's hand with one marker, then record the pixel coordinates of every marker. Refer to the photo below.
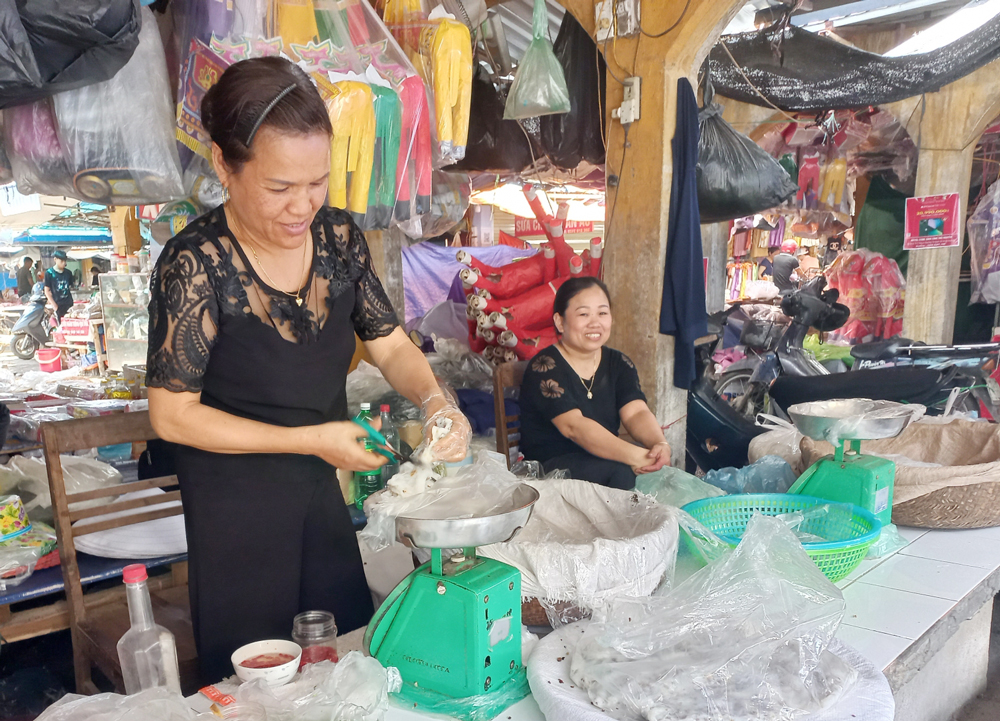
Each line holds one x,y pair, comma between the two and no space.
341,444
453,446
657,457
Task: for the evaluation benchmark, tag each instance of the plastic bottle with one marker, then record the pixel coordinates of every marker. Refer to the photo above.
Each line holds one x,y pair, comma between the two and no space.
367,481
147,652
392,437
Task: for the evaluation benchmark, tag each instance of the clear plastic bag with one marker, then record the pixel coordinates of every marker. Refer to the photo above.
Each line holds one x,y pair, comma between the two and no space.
586,544
37,158
28,426
17,563
984,241
155,704
855,418
539,82
30,479
781,439
484,487
356,688
124,163
483,707
673,487
770,474
445,48
745,637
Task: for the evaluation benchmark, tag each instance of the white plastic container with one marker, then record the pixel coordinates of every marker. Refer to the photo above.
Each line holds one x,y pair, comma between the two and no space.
147,652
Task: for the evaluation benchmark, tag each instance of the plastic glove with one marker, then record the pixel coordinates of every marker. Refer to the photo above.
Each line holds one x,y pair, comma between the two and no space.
443,419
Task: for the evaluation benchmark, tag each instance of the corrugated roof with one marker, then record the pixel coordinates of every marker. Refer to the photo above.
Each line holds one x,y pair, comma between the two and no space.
516,16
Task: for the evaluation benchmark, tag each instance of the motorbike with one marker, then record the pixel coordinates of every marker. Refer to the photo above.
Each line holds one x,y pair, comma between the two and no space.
34,328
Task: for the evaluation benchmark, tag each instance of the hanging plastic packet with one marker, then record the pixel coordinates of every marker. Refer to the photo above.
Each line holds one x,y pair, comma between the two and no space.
36,155
352,115
539,82
446,54
116,162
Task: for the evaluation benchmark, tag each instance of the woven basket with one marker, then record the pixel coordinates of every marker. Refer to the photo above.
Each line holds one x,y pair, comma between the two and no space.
974,506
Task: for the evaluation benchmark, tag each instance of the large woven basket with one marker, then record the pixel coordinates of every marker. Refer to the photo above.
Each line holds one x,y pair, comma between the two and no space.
975,506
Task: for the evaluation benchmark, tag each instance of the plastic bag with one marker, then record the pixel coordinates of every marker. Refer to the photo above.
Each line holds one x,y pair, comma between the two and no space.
446,206
479,489
673,487
587,544
781,439
889,541
483,707
539,82
746,637
30,479
770,474
37,158
736,177
356,688
458,367
578,135
155,704
124,163
48,46
984,242
28,426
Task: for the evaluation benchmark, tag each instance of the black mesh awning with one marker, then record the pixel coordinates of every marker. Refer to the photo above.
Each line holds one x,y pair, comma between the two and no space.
799,70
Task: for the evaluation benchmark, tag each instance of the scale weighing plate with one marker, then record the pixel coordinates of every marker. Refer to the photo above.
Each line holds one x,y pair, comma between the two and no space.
854,419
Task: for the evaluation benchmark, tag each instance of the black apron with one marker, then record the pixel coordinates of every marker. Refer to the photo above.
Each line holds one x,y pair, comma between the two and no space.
269,535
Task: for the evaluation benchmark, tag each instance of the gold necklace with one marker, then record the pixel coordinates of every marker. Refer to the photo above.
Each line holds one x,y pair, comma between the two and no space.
593,378
297,294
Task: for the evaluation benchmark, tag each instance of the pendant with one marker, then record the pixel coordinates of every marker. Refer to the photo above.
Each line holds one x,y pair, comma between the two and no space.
298,301
590,395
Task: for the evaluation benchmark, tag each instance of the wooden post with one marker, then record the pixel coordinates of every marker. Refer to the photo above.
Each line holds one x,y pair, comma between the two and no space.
946,126
124,229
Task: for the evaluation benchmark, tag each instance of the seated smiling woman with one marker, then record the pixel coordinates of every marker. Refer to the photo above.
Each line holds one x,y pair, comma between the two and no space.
577,393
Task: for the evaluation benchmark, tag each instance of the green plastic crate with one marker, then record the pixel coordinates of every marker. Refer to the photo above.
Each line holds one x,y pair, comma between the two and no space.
855,528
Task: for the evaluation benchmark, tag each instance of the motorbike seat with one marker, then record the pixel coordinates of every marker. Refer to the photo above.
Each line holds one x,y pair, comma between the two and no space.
879,349
907,384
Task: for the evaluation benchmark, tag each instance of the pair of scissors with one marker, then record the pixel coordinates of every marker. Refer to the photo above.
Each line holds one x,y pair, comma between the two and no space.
379,441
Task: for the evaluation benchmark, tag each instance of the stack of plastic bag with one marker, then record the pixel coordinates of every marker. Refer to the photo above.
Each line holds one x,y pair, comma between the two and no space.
110,142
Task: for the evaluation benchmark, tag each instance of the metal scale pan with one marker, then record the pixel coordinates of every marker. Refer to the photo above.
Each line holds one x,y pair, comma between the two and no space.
854,419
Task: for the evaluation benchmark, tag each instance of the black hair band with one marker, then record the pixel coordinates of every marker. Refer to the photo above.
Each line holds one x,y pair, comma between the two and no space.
268,109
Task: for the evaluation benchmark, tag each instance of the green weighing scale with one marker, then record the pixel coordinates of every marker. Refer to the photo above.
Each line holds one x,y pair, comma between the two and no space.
453,626
848,476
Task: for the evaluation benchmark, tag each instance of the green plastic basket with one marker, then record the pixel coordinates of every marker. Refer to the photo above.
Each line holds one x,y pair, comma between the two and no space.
855,528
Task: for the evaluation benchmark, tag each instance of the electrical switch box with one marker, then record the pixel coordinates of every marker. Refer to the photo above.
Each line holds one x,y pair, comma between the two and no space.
616,18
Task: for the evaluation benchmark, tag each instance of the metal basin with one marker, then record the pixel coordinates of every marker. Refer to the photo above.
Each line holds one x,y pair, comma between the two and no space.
853,419
468,532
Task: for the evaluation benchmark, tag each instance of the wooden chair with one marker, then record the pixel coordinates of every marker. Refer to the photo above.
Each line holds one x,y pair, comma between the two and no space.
506,375
95,630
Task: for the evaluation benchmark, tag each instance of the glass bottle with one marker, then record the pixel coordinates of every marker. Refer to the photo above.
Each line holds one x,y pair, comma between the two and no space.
147,652
367,481
392,438
316,633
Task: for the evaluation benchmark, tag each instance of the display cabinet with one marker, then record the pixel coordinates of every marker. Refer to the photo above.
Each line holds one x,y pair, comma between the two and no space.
124,297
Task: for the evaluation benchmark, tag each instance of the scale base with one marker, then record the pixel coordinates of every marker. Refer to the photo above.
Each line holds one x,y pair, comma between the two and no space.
866,481
456,631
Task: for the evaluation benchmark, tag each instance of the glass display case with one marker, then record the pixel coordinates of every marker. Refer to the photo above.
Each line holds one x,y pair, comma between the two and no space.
124,297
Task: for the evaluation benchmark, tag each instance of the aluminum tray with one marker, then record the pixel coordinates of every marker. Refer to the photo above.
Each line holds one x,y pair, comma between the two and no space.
853,419
468,532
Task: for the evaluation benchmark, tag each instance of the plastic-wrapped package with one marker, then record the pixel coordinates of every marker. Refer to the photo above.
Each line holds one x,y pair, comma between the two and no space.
356,688
124,163
37,159
28,426
746,637
29,477
587,544
769,474
478,489
17,563
736,177
539,82
155,704
673,487
984,241
446,55
781,439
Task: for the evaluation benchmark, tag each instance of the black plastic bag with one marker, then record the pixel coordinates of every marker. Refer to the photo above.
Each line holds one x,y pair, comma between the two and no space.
495,144
736,177
48,46
577,135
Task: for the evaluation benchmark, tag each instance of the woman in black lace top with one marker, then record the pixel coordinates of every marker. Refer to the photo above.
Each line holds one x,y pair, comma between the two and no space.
253,314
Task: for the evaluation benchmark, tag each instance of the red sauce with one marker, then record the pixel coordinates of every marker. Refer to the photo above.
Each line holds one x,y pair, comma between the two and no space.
314,654
267,660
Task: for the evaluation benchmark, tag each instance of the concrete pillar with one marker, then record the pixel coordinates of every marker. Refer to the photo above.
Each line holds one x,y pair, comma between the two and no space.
715,241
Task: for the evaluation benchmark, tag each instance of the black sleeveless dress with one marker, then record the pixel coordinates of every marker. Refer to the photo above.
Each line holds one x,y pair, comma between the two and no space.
269,535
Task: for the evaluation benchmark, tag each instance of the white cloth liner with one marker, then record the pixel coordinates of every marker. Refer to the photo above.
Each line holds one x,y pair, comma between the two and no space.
149,539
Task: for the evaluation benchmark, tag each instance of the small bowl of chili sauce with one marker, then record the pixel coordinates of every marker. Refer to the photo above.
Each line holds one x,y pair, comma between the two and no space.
274,661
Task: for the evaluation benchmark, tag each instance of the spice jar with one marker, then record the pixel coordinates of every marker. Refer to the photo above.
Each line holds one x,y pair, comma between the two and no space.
316,633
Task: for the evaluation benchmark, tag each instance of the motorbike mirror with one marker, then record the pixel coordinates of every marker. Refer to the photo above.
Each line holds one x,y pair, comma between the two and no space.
830,295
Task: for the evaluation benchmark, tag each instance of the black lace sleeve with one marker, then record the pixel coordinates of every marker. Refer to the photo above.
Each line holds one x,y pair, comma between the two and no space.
373,314
183,319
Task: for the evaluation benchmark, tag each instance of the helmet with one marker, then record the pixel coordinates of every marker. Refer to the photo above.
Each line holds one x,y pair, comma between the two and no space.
789,246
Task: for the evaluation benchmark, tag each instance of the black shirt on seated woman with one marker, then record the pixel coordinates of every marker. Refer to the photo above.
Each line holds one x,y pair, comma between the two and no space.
577,393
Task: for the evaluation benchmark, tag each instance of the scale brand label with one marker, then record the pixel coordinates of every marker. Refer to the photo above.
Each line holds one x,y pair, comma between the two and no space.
427,664
881,499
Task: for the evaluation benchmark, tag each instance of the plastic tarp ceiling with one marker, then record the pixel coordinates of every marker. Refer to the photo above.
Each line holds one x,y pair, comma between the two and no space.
799,70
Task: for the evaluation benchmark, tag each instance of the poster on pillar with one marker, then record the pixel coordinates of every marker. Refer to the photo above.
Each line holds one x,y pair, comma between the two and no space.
932,222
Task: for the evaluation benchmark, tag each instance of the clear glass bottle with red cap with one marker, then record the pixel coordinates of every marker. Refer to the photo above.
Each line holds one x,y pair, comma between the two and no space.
316,633
147,652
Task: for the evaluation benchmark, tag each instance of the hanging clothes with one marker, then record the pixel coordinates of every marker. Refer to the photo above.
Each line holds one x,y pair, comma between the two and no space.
447,48
682,308
777,236
352,116
382,189
809,176
414,167
834,180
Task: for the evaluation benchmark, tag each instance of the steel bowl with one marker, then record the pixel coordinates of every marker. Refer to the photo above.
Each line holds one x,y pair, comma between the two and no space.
468,532
854,419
